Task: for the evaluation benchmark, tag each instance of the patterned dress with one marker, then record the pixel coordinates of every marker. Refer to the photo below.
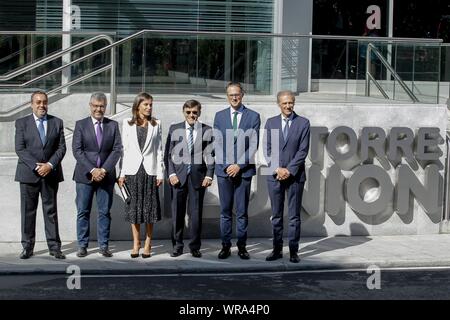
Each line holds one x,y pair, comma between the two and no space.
144,206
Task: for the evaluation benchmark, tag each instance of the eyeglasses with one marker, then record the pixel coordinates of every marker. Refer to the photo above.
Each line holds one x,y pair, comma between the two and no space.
98,106
193,112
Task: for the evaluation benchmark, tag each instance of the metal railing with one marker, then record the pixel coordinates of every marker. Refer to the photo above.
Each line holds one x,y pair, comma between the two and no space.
60,54
370,77
112,66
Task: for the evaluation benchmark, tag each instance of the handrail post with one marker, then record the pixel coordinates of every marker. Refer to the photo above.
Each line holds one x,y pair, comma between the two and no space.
368,70
444,227
113,94
371,47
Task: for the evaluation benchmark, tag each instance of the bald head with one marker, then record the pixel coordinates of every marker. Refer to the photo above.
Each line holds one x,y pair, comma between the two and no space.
288,93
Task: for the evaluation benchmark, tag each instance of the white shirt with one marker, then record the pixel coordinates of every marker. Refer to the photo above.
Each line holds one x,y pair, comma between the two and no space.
36,120
283,122
239,116
94,121
197,127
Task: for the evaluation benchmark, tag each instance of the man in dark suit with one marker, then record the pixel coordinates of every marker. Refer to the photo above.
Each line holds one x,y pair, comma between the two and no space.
236,141
97,147
289,176
40,145
190,166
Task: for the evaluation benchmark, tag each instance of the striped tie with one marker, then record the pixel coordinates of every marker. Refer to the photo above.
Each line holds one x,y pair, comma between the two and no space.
190,147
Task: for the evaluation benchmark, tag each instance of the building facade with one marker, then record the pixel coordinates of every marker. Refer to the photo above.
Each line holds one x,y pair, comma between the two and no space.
165,63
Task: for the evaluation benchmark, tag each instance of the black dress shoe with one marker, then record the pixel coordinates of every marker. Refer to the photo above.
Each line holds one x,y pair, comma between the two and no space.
243,254
57,254
196,253
106,253
26,254
176,253
274,255
224,253
294,257
82,252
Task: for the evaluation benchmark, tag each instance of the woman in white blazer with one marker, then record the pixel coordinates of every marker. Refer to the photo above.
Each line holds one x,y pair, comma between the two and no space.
142,170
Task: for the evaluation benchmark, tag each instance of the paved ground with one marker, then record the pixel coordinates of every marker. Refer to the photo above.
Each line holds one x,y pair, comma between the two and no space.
268,286
316,254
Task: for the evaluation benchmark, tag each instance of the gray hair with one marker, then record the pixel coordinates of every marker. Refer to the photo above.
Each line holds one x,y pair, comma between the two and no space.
99,96
285,93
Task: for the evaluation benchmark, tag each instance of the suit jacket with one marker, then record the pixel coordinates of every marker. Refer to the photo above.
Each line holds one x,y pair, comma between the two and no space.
30,150
245,144
201,157
85,149
292,151
151,155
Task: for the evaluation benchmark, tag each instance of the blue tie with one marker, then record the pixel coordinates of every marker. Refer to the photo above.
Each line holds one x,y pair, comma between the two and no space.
41,130
190,147
286,129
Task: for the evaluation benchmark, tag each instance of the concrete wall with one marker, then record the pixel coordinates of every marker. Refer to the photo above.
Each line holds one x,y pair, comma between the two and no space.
319,223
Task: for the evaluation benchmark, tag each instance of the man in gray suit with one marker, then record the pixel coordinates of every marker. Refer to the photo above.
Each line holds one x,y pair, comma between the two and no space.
40,146
97,147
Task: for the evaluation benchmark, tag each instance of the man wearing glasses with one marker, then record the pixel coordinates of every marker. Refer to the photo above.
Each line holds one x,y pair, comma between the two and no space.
236,142
190,166
97,148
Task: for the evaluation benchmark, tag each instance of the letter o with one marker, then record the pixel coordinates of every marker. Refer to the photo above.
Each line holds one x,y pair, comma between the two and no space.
363,178
342,143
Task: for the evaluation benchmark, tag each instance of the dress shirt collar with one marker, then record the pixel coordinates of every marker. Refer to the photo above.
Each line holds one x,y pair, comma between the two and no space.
94,121
240,110
289,118
196,125
36,118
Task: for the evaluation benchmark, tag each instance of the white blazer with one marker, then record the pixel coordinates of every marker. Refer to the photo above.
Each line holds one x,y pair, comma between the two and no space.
151,155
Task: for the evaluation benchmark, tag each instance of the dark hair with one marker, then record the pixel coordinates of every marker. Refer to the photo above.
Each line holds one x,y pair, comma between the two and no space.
38,92
192,104
135,119
235,84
